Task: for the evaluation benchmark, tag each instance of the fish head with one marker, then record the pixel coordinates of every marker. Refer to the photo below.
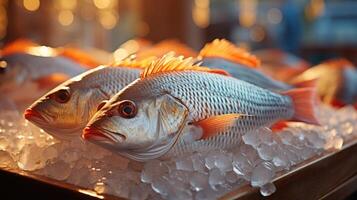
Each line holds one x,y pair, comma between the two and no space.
140,129
64,111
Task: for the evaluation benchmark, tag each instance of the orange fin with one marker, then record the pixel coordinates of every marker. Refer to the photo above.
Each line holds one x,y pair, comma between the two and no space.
78,56
304,101
170,62
133,62
339,63
306,83
216,124
18,46
226,50
278,126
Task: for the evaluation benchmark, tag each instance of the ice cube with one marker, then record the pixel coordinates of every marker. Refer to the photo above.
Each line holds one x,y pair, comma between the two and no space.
184,163
231,177
216,177
241,165
198,181
267,189
224,163
31,158
252,138
58,170
266,152
151,170
161,186
6,160
139,192
262,174
198,163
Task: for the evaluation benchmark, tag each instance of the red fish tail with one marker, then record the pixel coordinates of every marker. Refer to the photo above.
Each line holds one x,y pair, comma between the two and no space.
304,102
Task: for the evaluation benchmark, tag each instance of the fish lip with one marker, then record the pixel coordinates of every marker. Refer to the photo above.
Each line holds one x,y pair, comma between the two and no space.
94,133
33,115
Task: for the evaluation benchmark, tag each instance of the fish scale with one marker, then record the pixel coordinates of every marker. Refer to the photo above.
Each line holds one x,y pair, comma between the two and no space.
210,93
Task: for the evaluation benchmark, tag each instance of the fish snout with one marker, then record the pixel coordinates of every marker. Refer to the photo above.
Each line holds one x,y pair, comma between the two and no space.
93,133
30,114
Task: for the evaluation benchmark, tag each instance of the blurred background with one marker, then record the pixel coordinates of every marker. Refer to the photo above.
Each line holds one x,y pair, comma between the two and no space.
313,29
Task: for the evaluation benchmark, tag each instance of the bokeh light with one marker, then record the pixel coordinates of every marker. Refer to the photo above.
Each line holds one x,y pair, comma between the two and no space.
31,5
65,17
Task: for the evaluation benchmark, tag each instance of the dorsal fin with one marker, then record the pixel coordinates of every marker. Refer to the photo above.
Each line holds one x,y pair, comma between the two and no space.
133,62
225,49
170,62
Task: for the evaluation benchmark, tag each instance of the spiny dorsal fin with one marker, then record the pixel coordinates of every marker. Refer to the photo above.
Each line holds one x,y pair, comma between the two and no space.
133,62
170,62
225,49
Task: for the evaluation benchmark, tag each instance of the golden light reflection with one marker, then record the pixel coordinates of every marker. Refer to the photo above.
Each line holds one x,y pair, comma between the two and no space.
3,64
131,46
120,54
65,17
31,5
42,51
315,9
102,4
201,13
91,193
274,16
108,19
66,4
247,12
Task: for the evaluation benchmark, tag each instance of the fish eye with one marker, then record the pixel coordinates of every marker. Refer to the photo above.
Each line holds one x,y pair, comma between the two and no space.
127,109
100,106
61,96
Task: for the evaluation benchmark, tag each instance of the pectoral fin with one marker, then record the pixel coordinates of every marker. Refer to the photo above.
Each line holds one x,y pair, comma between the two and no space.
217,124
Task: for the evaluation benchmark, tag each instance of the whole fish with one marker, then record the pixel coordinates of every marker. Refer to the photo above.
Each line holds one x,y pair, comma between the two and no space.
336,81
64,111
145,119
17,68
222,54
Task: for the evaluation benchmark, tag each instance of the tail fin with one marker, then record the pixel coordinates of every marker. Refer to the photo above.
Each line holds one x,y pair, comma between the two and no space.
304,101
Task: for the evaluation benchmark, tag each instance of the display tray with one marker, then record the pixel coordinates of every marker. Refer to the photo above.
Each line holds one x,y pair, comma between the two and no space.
332,176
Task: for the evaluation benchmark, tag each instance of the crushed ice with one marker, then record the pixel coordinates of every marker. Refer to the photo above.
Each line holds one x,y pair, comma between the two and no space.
261,157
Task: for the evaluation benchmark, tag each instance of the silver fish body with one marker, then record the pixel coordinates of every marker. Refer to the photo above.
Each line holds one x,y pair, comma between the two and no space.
247,74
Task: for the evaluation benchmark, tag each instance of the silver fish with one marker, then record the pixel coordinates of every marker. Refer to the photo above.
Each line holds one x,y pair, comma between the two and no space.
145,119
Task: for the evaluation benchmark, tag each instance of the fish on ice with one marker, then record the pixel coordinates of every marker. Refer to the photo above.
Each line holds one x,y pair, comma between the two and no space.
147,118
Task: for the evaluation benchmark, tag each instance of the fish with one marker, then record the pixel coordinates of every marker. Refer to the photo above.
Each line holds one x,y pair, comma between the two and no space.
18,68
65,110
222,54
147,117
336,81
281,65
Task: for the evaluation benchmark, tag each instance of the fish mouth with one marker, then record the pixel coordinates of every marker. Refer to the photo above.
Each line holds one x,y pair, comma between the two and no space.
33,115
102,135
